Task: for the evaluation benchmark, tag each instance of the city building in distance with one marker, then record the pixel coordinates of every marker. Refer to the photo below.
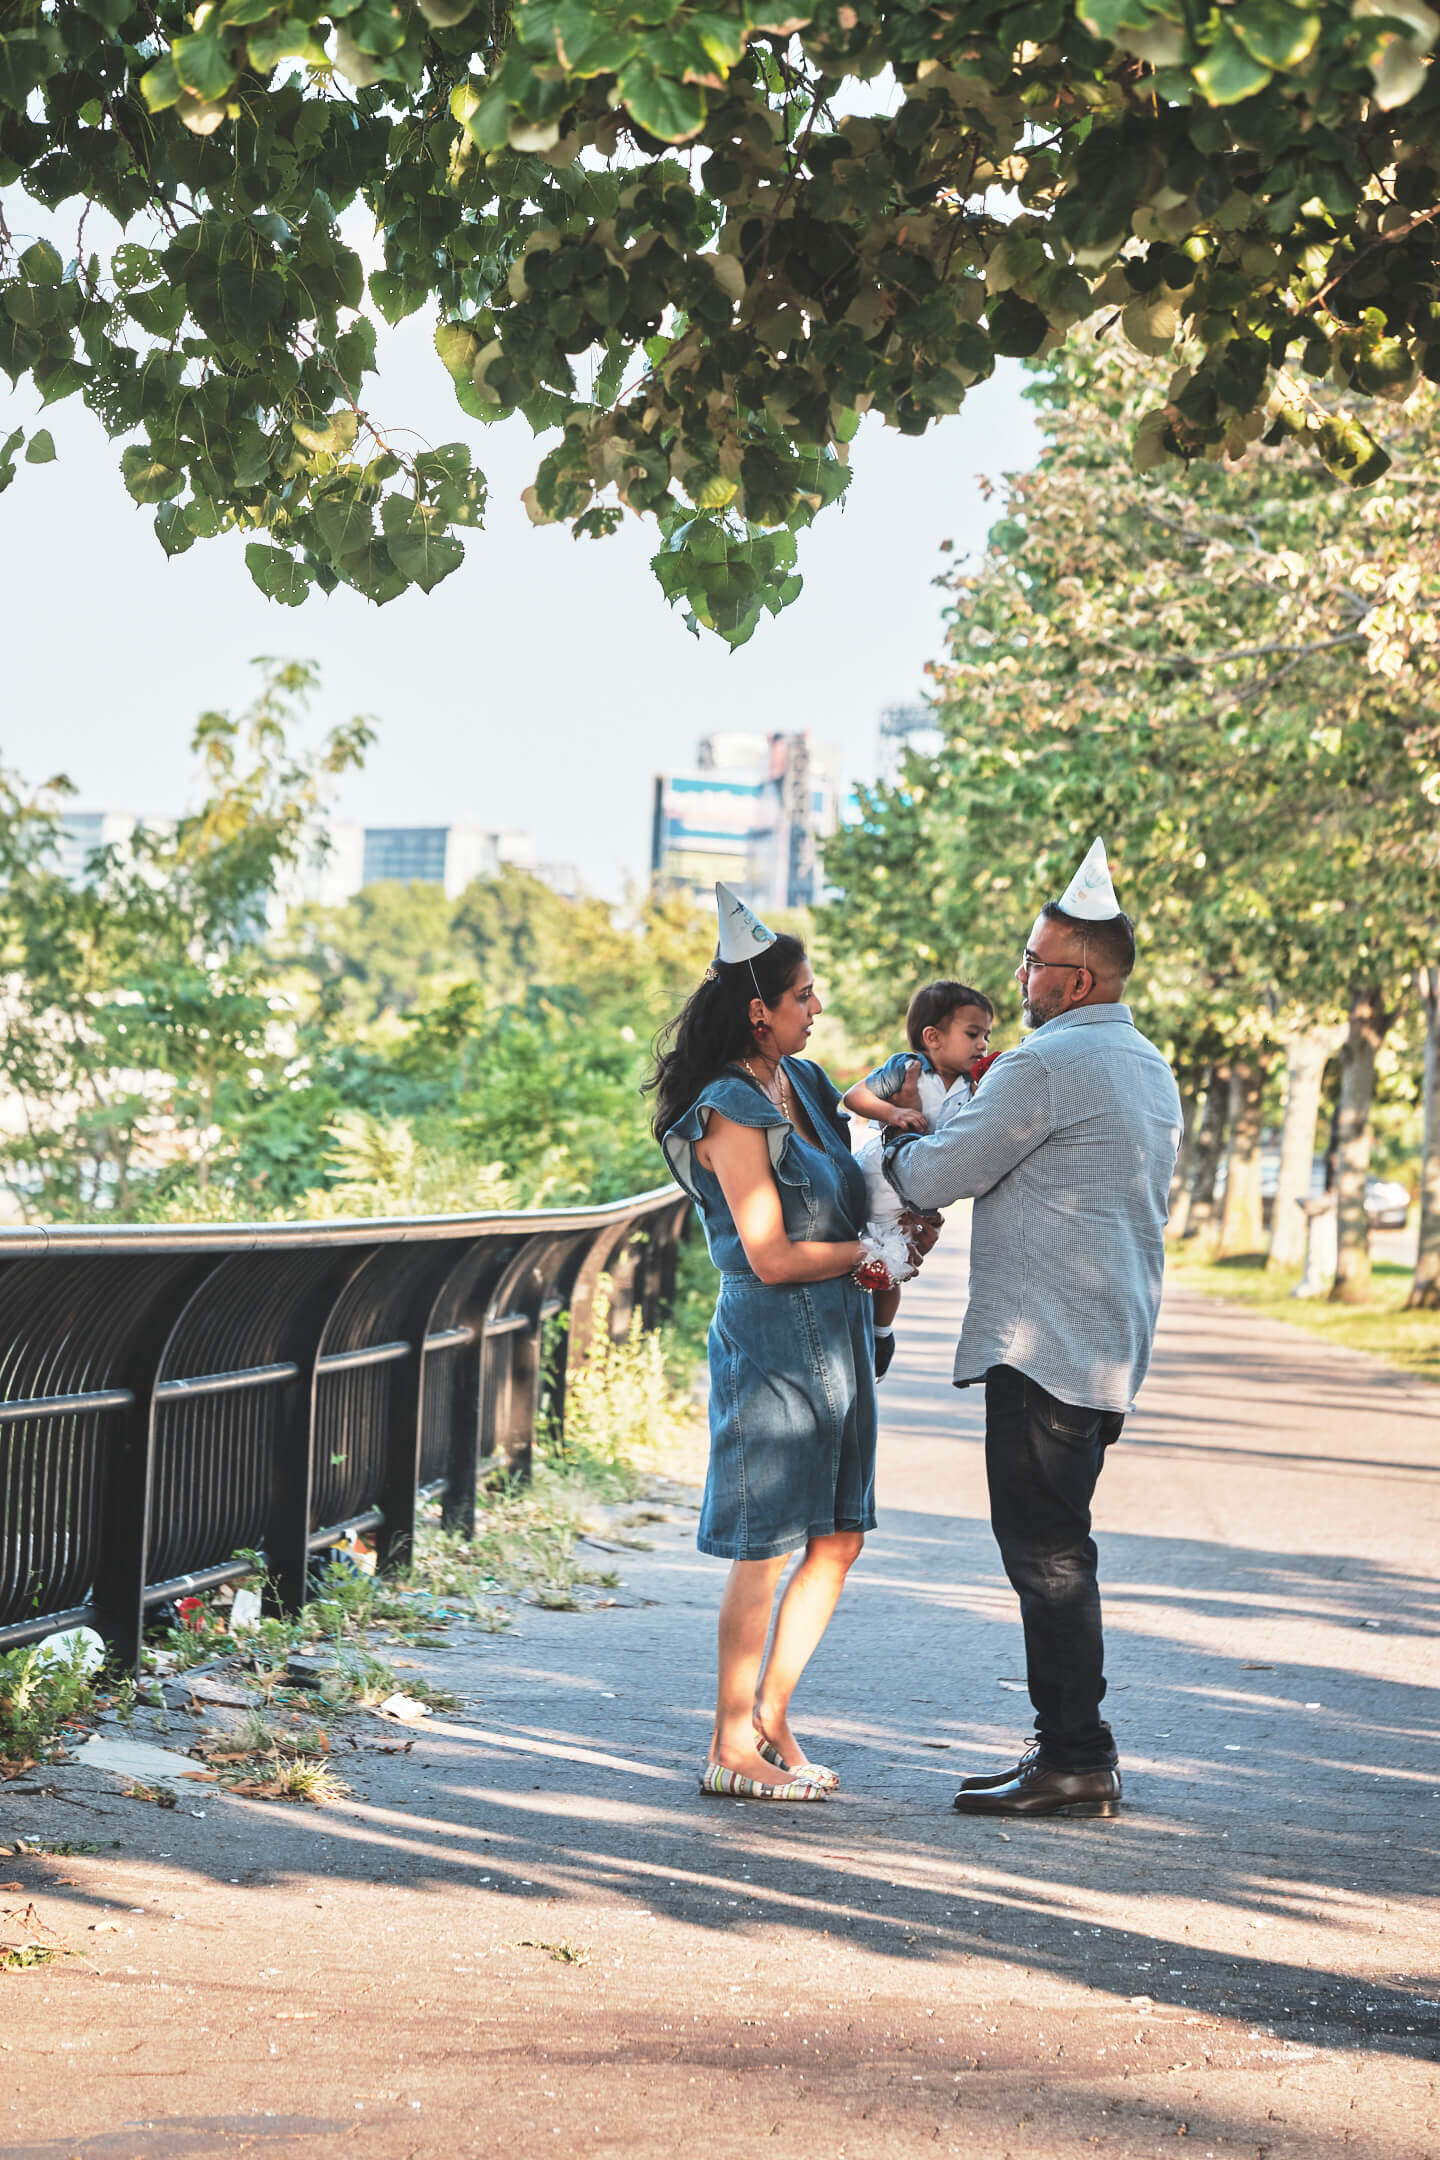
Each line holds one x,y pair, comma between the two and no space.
350,856
753,811
907,727
452,856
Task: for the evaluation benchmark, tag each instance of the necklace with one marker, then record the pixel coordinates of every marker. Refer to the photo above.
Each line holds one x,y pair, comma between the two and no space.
782,1101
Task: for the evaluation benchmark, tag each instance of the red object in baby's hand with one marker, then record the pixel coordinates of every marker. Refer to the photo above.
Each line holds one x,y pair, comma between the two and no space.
982,1065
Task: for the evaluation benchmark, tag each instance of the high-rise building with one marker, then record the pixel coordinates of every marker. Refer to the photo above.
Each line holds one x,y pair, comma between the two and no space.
82,832
451,856
346,856
907,727
753,811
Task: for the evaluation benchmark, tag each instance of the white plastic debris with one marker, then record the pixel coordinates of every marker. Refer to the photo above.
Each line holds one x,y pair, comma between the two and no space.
245,1611
403,1707
78,1646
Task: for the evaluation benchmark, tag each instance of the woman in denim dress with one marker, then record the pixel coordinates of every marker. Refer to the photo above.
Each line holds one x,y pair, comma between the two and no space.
753,1133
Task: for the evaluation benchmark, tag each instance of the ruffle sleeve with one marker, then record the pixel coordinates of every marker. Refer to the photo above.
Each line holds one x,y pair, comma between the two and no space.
744,1104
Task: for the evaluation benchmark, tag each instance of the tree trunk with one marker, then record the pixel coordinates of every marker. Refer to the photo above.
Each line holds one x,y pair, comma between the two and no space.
1208,1150
1184,1164
1425,1289
1242,1226
1307,1052
1368,1024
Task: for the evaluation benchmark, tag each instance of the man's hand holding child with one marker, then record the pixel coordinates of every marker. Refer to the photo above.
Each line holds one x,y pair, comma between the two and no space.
905,1112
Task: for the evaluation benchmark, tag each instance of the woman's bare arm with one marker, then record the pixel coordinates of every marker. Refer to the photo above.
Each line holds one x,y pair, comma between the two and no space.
740,1159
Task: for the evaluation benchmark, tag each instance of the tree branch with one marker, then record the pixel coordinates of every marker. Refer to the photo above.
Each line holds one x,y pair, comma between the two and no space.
1399,232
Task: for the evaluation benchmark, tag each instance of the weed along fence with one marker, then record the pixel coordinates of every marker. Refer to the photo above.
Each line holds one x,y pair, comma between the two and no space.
170,1397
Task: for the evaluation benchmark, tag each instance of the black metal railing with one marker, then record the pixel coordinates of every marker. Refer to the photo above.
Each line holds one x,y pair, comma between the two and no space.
172,1396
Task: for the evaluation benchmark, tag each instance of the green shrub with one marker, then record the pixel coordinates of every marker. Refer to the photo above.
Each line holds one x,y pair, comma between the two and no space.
39,1694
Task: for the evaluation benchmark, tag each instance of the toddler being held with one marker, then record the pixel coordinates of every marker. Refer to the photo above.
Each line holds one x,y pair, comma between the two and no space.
947,1027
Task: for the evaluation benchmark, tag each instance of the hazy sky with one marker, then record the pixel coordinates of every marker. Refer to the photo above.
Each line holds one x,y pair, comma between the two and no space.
540,687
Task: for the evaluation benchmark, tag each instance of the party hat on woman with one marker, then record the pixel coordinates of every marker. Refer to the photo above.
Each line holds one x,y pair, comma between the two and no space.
742,934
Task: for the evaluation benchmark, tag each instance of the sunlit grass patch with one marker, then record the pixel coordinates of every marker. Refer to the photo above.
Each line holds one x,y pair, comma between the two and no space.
266,1757
1384,1327
563,1953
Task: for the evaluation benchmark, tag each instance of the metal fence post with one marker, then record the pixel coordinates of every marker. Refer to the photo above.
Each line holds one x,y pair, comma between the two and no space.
118,1596
460,1309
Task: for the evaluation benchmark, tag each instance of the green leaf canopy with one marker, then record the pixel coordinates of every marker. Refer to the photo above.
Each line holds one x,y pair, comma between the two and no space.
663,230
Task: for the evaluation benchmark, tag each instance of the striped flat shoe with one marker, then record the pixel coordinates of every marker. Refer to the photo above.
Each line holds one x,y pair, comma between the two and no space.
827,1780
734,1784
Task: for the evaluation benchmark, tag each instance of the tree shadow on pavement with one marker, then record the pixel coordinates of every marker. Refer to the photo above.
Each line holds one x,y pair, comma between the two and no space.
1275,1804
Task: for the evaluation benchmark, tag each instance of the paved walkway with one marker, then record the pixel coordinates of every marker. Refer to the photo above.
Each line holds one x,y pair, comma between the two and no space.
1245,1960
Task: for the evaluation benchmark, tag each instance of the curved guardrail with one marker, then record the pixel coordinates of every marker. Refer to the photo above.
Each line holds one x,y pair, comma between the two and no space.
169,1396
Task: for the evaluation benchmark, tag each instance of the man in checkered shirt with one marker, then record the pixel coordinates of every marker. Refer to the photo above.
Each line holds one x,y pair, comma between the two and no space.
1067,1148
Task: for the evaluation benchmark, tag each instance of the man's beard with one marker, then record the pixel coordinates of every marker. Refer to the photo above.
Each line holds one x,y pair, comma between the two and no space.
1035,1015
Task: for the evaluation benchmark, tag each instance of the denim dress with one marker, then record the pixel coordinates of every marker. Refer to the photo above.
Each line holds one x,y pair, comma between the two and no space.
792,1365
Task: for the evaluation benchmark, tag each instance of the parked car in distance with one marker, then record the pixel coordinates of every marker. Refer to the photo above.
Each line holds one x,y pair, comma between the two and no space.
1387,1205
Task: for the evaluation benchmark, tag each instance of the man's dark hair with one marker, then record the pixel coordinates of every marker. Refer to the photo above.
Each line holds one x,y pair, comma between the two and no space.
932,1006
1113,940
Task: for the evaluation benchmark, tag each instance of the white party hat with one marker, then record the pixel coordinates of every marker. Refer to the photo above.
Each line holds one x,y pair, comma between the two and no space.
742,934
1090,894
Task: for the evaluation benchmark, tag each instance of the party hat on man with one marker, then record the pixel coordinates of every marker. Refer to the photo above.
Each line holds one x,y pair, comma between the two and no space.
1090,894
742,934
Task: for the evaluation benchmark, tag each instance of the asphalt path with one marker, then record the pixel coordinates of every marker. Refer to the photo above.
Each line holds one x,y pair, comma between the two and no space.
532,1935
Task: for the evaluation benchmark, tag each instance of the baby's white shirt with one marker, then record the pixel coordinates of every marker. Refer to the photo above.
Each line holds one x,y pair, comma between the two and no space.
933,1094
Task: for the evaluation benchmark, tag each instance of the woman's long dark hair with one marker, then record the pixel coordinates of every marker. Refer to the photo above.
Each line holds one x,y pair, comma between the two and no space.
712,1029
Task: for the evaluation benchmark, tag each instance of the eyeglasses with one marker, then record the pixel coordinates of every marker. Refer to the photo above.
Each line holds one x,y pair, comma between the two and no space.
1030,962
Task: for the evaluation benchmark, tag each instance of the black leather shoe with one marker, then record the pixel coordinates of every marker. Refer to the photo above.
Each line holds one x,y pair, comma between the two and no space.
1000,1777
1035,1789
884,1352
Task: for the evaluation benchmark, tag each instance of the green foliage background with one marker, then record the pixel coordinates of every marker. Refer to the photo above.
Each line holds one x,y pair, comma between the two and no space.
1231,674
172,1054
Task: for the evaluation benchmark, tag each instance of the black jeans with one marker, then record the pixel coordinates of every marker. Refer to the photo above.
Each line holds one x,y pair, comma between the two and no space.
1043,1458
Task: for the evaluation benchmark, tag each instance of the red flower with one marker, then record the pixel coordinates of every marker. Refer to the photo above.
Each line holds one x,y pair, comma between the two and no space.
874,1275
982,1065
